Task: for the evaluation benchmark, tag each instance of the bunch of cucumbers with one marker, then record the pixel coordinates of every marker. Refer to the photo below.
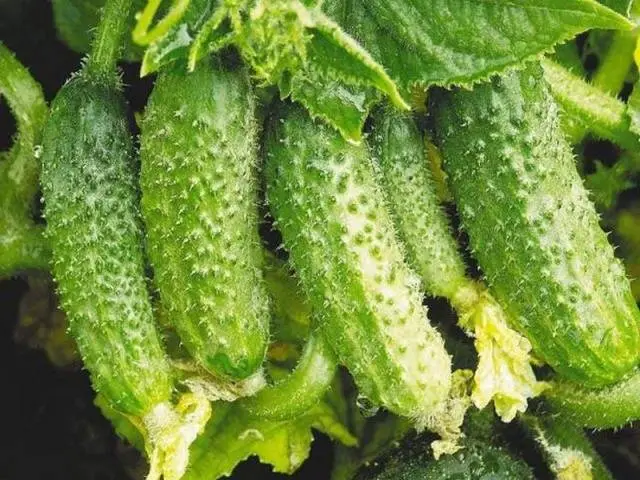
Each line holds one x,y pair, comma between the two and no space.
167,237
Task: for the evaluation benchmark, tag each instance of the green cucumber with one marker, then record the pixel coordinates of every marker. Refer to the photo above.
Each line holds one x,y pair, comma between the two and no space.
89,189
477,461
199,200
533,229
22,245
504,373
329,209
93,227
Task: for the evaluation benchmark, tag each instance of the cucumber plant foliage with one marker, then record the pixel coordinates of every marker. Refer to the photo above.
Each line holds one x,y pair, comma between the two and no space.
337,57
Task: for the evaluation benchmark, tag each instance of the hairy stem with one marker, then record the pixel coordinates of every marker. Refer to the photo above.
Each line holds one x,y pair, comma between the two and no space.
108,40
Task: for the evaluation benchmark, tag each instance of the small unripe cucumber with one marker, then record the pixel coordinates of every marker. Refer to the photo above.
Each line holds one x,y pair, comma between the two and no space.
330,211
533,229
199,201
413,199
88,185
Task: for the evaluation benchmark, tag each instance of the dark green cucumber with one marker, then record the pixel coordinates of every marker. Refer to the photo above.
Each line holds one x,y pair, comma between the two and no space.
533,229
199,201
330,210
504,373
476,461
93,227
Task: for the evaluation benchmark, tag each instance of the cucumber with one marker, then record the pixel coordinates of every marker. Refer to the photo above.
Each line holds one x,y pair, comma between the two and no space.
477,461
504,373
533,229
94,230
199,202
329,209
93,227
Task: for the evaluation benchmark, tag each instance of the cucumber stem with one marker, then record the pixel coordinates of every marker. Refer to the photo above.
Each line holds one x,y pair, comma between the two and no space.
610,74
300,390
108,40
21,243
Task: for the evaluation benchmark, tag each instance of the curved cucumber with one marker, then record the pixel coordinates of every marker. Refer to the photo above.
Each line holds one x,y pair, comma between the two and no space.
329,209
504,373
199,196
533,229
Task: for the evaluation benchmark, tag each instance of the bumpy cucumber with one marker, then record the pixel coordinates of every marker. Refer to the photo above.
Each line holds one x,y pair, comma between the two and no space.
477,461
93,227
411,193
329,209
199,201
504,373
532,228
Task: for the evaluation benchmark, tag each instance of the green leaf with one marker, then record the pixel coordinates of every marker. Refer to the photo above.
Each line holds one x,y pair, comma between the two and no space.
175,43
343,105
123,427
295,46
607,183
458,42
621,6
75,21
291,311
378,436
232,436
